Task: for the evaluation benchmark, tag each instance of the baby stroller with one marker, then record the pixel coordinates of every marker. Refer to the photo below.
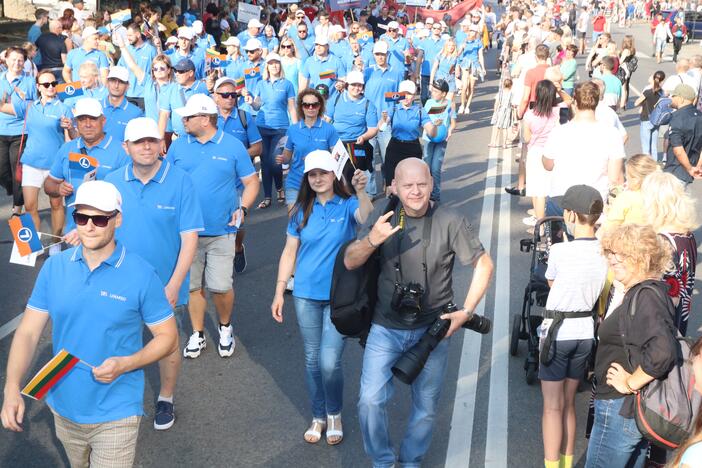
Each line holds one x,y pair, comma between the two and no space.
547,231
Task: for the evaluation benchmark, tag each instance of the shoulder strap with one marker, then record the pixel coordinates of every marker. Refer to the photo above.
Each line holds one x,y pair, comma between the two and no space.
336,101
242,117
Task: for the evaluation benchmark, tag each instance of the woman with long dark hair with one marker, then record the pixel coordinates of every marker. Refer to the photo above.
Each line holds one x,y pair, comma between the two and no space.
322,219
648,133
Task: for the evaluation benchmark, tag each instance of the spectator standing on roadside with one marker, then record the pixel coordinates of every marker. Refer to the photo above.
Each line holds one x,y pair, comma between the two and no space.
648,133
52,47
42,17
685,136
678,31
661,33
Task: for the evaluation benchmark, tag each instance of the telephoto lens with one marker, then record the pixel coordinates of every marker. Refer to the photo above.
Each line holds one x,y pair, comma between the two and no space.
479,324
408,367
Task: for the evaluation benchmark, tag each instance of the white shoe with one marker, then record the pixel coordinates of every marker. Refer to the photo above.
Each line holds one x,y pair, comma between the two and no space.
466,111
529,221
195,346
226,344
461,109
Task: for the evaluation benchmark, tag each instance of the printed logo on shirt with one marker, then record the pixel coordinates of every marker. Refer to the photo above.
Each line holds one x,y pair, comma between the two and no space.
164,207
337,220
113,296
219,158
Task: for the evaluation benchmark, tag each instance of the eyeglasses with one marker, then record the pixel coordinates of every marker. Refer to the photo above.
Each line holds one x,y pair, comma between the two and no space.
187,118
228,95
160,68
182,71
251,51
49,84
100,221
619,258
286,46
311,105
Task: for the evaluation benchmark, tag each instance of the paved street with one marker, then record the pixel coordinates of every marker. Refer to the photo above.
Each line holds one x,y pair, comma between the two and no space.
252,409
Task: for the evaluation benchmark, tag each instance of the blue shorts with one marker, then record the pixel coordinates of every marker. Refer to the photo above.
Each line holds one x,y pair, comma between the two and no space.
569,360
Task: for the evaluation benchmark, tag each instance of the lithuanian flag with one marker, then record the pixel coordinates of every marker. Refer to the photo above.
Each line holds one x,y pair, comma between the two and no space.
50,374
327,75
239,83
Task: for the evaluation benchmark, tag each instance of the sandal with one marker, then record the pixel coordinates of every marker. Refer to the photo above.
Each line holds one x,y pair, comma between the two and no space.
281,195
335,433
314,433
265,203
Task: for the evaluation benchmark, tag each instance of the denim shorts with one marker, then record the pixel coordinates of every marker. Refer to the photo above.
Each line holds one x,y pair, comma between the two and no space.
569,360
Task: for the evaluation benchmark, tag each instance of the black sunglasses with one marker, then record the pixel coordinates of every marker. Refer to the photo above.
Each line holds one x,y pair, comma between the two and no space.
100,221
288,46
311,105
49,84
251,51
232,95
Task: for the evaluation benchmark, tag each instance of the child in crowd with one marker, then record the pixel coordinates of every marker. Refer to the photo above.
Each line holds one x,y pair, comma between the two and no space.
613,86
502,116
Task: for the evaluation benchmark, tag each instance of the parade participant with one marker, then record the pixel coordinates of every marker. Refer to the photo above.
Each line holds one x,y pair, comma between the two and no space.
406,121
253,31
323,68
434,151
337,44
87,52
15,87
96,410
398,47
223,211
236,60
252,67
175,96
149,186
67,174
118,111
450,237
271,41
186,50
274,101
310,133
684,136
202,39
310,249
444,67
291,62
472,65
52,47
142,53
90,84
304,41
429,48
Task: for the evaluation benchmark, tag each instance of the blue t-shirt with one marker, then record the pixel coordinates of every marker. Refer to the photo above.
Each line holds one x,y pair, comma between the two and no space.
165,207
470,54
396,50
117,117
446,68
379,82
235,68
445,116
214,167
99,93
407,123
143,56
198,58
18,92
44,133
77,57
96,315
174,97
327,228
302,140
431,47
275,96
351,117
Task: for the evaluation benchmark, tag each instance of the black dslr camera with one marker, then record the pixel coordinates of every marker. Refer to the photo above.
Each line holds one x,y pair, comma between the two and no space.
410,364
407,301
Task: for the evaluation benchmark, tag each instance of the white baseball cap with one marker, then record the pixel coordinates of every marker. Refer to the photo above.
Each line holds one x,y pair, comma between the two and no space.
254,23
337,28
408,86
197,27
197,104
466,22
393,25
380,47
354,76
321,40
253,44
141,127
320,159
273,57
429,20
232,41
89,31
223,80
185,33
119,73
100,195
418,25
87,106
171,40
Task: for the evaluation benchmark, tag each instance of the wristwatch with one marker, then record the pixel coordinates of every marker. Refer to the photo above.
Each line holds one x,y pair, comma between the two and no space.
245,210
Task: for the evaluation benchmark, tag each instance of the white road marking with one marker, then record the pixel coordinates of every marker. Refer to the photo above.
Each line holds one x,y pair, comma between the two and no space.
10,326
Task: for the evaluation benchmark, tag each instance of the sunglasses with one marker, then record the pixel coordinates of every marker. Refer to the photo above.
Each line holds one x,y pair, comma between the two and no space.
286,46
182,71
311,105
160,68
302,31
100,221
392,30
49,84
193,116
228,95
251,51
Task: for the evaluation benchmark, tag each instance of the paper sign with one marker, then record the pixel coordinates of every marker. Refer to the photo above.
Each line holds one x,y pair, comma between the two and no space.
28,260
341,155
418,3
247,12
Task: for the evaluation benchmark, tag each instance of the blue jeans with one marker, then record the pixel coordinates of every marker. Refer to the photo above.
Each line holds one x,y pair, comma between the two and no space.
615,441
323,349
383,348
380,145
553,208
649,139
270,171
434,157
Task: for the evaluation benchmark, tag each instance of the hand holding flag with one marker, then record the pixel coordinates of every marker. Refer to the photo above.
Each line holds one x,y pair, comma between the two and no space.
50,374
25,234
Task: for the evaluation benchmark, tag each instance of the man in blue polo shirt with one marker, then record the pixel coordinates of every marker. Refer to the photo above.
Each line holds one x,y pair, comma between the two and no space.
175,96
254,30
98,298
235,120
252,68
429,49
397,46
88,52
91,156
215,160
323,68
143,53
186,50
161,219
118,111
303,39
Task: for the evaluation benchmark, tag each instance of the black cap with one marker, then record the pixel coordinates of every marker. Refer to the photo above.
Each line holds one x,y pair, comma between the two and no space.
582,199
323,90
184,65
441,85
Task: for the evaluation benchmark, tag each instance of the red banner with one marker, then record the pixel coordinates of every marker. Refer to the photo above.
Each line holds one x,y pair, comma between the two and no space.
457,13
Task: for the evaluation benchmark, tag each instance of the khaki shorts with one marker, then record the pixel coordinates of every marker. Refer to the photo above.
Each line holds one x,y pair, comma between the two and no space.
214,262
110,444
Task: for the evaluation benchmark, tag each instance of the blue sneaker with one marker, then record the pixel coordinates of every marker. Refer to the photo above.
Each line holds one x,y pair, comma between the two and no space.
165,416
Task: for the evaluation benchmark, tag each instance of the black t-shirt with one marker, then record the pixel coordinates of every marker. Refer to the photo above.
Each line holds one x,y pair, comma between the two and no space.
651,98
51,47
451,237
686,132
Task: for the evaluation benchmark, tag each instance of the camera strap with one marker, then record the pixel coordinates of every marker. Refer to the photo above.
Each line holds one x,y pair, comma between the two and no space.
426,240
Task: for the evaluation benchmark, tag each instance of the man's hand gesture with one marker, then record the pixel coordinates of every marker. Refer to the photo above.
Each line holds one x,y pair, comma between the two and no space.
382,229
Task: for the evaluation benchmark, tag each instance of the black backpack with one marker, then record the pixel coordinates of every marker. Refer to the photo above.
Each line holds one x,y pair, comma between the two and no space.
355,292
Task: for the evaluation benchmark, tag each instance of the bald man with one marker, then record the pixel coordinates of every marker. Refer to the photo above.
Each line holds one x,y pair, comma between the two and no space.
52,46
422,239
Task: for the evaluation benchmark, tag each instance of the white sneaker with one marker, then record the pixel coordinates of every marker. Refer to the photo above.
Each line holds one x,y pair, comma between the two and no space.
461,109
529,221
226,344
466,111
195,346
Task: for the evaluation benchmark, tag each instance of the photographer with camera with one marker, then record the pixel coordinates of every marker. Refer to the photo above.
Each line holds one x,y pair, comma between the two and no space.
416,243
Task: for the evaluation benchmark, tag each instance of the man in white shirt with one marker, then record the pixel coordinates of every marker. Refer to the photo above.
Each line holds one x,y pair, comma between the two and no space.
606,115
682,67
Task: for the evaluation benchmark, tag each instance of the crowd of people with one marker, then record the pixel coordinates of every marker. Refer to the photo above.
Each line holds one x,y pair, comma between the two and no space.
168,123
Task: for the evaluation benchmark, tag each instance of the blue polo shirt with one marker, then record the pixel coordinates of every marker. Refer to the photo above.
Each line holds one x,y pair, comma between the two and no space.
272,44
153,93
205,41
155,214
327,228
21,89
274,98
407,123
302,140
214,167
340,48
305,47
351,117
96,315
252,73
77,57
379,82
110,155
44,132
445,116
234,126
396,50
117,117
174,97
235,69
315,66
446,67
244,37
99,93
143,56
431,47
198,58
349,59
469,56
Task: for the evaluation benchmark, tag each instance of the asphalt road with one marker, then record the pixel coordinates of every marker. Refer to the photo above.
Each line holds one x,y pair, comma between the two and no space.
251,409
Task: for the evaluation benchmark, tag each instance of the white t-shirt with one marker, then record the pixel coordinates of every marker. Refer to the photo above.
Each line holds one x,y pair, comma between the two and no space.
583,22
581,152
578,271
679,78
605,114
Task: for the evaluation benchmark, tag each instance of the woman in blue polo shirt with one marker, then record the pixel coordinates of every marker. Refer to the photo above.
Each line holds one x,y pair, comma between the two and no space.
324,217
472,65
89,77
308,134
274,101
236,60
406,120
444,67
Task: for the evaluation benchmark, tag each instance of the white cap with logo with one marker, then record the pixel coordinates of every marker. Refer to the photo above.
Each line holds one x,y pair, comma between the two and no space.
232,41
380,47
273,57
100,195
119,73
253,44
320,159
141,127
223,80
89,31
198,104
87,106
254,23
321,40
354,76
408,86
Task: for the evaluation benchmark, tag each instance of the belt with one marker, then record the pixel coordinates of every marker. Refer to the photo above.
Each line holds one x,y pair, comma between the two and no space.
416,140
558,318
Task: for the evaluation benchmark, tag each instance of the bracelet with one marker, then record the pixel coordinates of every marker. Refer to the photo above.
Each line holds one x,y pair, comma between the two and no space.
628,387
371,243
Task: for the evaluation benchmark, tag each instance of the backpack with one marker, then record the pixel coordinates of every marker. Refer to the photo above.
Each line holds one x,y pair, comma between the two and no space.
354,292
662,112
666,409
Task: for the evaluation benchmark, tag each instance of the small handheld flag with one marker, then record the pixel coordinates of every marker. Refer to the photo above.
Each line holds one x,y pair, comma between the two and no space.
239,84
25,234
437,110
327,75
69,90
252,73
216,59
121,16
50,374
82,162
394,97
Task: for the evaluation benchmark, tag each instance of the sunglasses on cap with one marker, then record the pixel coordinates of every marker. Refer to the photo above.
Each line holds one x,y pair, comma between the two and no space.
81,219
49,84
232,95
311,105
